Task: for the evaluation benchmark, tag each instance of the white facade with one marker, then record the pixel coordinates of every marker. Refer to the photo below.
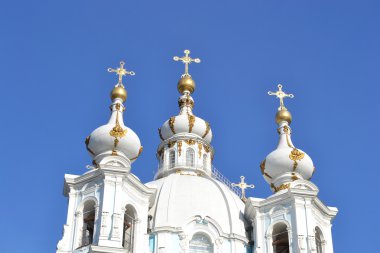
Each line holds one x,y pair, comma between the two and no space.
187,208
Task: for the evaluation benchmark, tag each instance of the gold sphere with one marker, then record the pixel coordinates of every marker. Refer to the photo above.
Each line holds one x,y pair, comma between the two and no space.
283,115
186,83
119,92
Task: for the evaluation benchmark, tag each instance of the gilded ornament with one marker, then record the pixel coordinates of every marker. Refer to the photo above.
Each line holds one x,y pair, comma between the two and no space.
118,131
190,142
117,106
159,132
185,102
186,60
243,185
171,144
207,148
281,187
179,146
262,166
296,155
87,141
191,119
171,124
280,95
200,149
160,152
207,129
121,71
294,177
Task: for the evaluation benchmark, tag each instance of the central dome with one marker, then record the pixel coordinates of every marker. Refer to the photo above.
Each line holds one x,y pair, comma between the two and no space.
207,198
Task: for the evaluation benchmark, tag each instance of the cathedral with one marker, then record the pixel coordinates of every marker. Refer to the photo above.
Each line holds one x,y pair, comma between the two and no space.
190,207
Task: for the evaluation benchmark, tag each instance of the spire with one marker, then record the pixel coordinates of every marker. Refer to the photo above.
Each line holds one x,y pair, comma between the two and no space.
186,84
186,60
283,114
286,163
114,140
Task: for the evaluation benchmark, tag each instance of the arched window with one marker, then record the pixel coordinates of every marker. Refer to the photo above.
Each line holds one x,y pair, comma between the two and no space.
86,224
205,162
171,159
280,238
129,228
190,157
318,240
201,243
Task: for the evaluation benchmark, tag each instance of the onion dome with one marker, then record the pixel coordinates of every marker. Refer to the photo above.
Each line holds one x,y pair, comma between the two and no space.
286,163
186,122
114,139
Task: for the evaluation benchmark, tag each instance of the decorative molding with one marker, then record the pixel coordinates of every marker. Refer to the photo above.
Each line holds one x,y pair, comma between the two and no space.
191,119
171,124
207,129
179,146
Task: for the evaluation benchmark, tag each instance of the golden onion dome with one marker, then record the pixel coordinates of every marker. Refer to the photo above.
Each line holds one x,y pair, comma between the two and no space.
283,115
119,92
186,83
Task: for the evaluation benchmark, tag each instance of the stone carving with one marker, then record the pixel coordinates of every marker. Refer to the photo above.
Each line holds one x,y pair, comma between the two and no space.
218,244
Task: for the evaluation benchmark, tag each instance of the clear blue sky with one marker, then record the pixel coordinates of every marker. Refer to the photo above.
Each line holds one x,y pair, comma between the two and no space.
54,91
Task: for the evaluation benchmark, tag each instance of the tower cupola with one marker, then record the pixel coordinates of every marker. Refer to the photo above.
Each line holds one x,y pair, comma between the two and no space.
185,137
286,163
114,142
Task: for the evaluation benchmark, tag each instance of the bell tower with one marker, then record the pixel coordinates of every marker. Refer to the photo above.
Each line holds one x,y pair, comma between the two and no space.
108,205
293,219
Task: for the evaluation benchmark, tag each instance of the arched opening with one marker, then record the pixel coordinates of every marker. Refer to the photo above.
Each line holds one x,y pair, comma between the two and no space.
201,243
190,157
318,240
86,224
129,228
280,238
171,159
205,162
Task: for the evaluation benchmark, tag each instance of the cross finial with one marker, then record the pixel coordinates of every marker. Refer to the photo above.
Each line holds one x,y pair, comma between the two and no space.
243,185
121,71
281,95
186,60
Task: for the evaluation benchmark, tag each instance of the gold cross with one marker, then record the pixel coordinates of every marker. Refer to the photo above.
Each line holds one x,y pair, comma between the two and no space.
281,95
121,71
243,185
186,60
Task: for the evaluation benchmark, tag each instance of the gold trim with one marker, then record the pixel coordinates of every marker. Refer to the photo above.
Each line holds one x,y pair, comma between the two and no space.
179,146
140,151
191,119
159,132
281,187
118,131
171,144
294,177
207,129
171,124
262,166
186,60
186,102
296,155
280,95
207,148
200,149
190,142
160,152
87,142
